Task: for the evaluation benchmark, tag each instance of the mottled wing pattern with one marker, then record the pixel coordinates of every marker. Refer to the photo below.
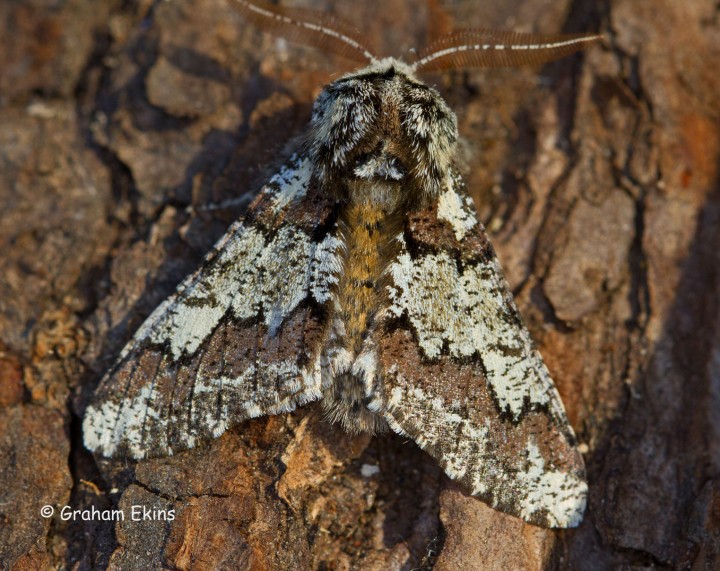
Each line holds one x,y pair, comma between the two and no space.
463,378
240,338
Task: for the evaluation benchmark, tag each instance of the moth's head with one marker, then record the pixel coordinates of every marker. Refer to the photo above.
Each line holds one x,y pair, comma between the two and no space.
381,123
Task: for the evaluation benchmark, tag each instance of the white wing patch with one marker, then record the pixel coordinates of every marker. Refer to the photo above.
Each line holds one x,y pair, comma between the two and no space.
457,211
290,183
249,275
106,426
326,268
188,322
469,318
561,495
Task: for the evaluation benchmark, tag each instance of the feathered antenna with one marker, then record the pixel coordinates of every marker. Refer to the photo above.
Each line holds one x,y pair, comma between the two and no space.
464,49
308,27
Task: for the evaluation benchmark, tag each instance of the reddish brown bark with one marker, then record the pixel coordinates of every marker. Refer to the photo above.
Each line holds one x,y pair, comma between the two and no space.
597,177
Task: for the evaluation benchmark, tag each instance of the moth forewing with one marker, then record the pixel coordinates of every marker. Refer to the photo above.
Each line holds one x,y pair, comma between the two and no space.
360,277
239,339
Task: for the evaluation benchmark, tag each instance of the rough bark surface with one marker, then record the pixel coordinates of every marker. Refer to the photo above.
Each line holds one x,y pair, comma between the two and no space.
133,133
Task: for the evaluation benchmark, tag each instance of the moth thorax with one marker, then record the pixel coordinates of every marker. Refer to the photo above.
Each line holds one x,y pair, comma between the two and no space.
386,197
382,124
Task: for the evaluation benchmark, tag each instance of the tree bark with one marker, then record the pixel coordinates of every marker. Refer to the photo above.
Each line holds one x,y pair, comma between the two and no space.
132,135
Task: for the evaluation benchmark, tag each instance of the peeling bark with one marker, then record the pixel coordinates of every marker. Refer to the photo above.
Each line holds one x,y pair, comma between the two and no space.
132,134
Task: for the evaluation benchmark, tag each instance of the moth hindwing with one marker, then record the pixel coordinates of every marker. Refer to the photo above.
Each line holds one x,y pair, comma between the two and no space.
362,278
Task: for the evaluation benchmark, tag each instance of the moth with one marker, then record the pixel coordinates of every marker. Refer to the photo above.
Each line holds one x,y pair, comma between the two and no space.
362,278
